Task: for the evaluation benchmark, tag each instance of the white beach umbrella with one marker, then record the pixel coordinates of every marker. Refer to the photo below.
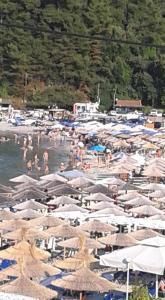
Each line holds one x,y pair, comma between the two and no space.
53,177
23,178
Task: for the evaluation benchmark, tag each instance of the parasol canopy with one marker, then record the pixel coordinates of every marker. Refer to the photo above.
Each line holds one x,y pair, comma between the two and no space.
99,197
27,214
27,287
26,234
10,225
138,201
80,182
143,234
29,194
30,204
75,243
6,215
118,239
63,200
98,188
46,221
65,231
97,226
146,210
53,177
23,178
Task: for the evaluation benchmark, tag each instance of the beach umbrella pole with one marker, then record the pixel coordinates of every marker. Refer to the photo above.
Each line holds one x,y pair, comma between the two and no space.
127,283
156,287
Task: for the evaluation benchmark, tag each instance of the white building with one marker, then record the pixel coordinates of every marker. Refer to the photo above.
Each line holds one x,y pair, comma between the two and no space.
89,107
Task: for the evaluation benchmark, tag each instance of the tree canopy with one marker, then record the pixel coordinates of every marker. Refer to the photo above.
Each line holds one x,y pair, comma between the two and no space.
44,60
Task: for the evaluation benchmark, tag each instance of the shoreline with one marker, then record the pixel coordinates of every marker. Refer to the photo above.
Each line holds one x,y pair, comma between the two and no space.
6,127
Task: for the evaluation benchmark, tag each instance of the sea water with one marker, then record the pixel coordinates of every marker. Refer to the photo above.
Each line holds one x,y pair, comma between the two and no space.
11,157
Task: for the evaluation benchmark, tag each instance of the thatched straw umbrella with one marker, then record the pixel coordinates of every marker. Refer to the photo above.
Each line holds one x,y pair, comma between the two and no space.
28,214
158,217
77,261
32,269
63,189
158,194
26,234
29,194
51,184
129,187
28,186
23,178
26,287
30,204
52,177
113,181
129,196
152,171
98,188
141,200
118,239
109,211
6,201
10,225
71,207
46,221
97,226
143,234
26,250
152,186
102,205
64,231
99,197
146,210
80,182
6,189
85,280
75,243
120,170
63,200
6,215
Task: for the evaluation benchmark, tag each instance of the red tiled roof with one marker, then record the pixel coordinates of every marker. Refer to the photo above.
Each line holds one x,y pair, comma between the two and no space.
129,103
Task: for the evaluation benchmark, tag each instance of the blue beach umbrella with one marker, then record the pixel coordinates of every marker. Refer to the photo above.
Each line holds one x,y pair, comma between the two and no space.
97,148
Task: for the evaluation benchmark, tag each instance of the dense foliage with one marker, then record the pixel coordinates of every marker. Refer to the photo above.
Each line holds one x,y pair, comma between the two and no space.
44,67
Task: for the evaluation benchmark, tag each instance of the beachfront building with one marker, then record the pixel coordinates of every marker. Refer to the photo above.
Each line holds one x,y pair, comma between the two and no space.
126,106
88,107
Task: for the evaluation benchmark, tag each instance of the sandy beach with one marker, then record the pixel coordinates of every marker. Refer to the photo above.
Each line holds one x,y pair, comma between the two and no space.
7,127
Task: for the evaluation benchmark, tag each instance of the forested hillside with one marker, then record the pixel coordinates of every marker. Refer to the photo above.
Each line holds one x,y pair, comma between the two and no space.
44,59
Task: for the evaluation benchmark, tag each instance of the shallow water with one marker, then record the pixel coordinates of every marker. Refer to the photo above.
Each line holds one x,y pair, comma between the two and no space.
11,157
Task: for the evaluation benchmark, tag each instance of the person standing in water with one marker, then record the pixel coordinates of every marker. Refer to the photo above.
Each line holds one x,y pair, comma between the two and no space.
45,156
29,166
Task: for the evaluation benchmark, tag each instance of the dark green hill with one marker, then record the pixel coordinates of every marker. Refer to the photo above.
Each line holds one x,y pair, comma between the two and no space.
42,65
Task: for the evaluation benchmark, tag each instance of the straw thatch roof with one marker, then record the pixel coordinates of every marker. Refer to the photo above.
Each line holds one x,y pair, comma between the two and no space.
158,217
63,200
30,204
53,177
26,287
118,170
118,239
6,215
51,184
23,178
11,225
153,186
97,226
63,189
24,249
128,196
101,205
152,171
6,201
98,188
129,187
32,269
46,221
85,280
28,186
99,197
146,210
29,194
28,214
109,211
71,207
75,243
157,194
77,261
26,234
143,234
6,189
113,181
141,200
80,182
65,231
